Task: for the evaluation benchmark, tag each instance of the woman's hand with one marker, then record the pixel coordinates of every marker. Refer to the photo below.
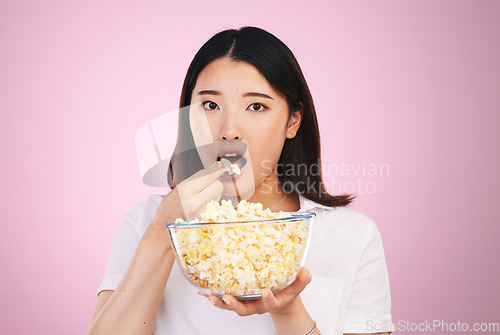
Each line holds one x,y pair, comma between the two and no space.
285,302
188,199
286,309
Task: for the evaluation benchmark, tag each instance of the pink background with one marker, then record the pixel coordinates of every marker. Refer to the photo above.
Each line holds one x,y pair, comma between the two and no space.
411,84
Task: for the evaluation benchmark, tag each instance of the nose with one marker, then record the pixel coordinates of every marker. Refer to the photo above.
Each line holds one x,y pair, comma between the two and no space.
230,128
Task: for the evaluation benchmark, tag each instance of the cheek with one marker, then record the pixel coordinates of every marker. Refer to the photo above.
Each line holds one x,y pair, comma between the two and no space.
269,136
267,141
202,136
200,127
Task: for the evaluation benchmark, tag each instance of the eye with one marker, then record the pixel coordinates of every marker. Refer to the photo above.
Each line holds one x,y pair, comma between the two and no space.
210,105
257,107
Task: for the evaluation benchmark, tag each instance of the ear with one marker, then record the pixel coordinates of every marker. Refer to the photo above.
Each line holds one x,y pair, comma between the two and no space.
294,123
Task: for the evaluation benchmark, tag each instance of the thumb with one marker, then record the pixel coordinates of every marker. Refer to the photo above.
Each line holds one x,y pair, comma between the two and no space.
300,283
305,276
302,280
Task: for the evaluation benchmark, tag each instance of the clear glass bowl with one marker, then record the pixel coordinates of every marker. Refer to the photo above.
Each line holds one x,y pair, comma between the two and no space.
240,258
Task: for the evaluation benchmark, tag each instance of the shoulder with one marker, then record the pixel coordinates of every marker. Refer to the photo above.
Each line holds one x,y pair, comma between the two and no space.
151,203
343,220
141,214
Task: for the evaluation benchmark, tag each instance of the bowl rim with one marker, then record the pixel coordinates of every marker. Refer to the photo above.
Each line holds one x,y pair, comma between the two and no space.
294,216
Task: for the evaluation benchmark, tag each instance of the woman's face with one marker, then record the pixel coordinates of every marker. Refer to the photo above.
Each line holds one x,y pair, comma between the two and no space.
235,108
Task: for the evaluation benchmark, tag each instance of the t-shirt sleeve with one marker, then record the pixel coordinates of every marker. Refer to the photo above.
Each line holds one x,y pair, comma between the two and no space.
369,306
124,246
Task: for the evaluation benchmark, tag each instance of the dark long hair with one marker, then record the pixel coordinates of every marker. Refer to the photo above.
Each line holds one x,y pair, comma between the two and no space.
274,60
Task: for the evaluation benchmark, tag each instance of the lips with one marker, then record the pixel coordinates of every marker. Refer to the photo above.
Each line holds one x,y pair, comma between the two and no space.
234,158
233,154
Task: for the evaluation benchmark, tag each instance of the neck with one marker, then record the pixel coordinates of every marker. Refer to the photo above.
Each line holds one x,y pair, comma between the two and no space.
271,194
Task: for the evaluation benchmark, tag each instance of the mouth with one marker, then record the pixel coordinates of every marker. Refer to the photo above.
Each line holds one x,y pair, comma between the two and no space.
234,158
234,152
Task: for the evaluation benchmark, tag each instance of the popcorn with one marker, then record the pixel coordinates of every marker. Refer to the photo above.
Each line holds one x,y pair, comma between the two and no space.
232,168
242,259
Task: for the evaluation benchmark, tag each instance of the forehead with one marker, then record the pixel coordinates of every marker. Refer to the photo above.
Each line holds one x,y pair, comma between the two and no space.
226,74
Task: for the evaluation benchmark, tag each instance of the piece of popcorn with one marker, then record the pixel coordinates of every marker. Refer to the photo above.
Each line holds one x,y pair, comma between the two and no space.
232,168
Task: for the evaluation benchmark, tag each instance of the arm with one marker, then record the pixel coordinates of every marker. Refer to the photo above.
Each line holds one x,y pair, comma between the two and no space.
132,307
293,319
296,320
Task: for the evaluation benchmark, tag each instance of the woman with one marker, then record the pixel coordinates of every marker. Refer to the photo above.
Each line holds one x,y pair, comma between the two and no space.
246,98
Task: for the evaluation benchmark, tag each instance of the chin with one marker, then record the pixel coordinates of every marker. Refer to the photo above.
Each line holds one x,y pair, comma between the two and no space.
244,188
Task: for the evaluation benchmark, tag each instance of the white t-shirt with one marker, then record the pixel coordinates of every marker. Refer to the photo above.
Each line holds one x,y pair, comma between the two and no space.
349,291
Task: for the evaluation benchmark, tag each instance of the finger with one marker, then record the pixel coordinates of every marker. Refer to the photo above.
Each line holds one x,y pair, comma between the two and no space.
268,299
240,308
305,276
299,284
218,302
216,198
205,177
203,294
212,191
196,193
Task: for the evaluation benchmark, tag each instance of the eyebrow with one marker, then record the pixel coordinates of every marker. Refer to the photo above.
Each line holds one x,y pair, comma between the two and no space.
248,94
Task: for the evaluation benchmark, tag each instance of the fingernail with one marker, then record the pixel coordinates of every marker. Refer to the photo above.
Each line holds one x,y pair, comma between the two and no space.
308,274
227,301
264,293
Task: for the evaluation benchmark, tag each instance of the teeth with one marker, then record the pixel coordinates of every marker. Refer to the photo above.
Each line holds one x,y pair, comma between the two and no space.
231,155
